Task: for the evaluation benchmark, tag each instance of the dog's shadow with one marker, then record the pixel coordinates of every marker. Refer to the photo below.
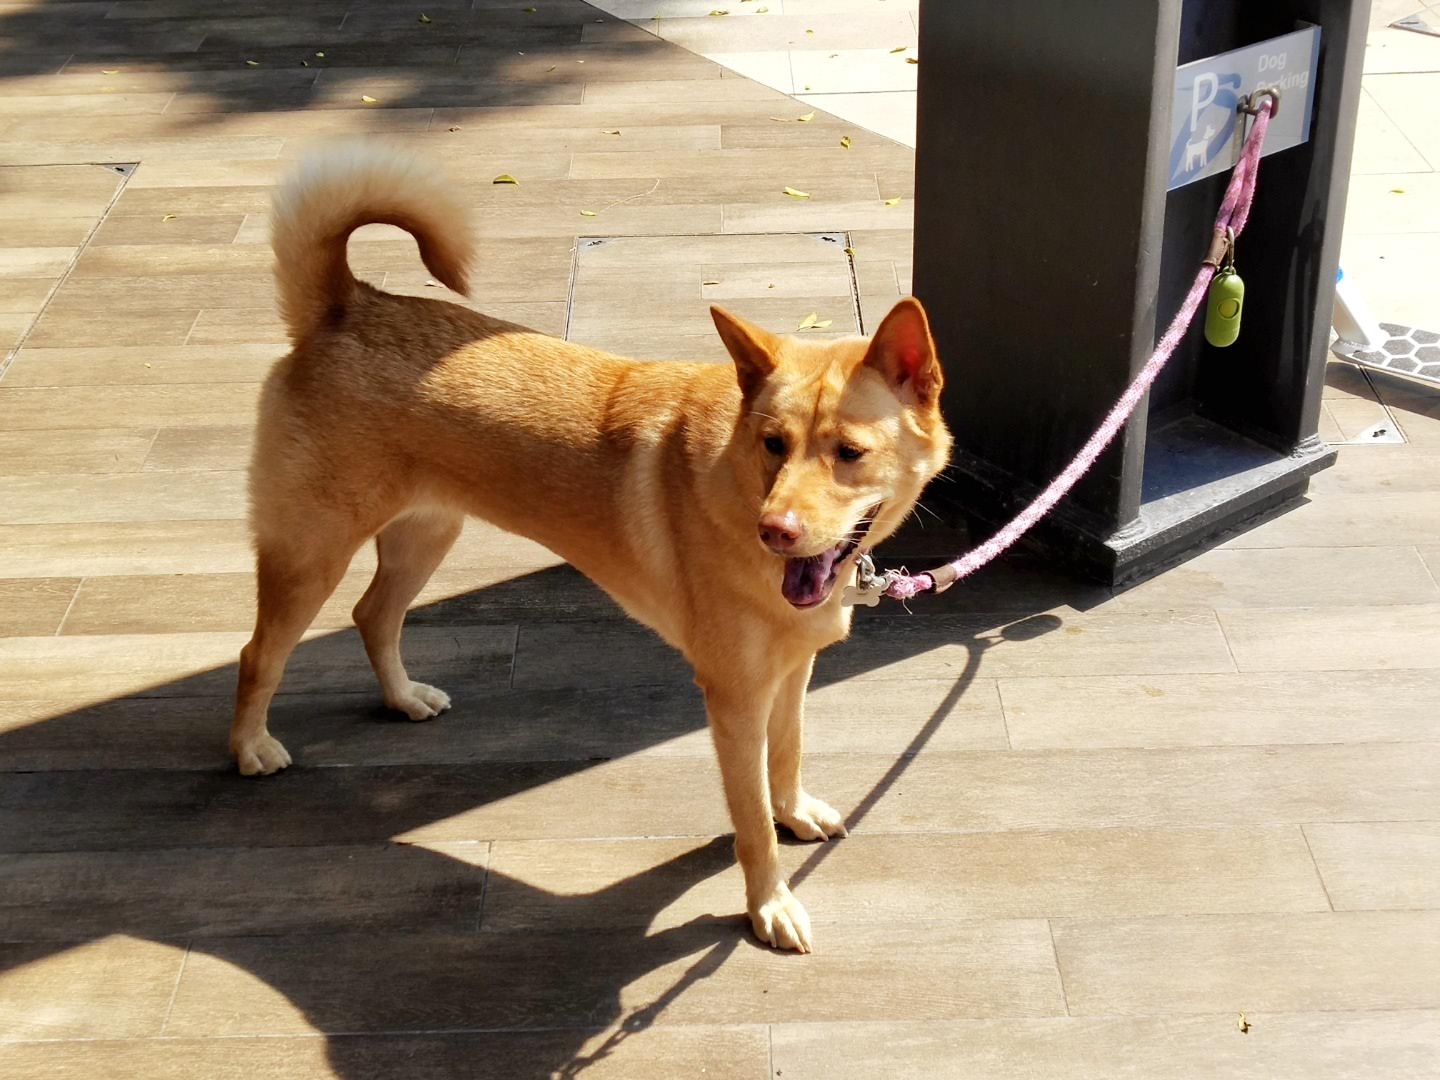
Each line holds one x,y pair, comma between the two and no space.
356,883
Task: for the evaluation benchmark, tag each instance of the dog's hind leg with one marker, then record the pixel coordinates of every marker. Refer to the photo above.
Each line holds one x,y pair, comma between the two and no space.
293,580
410,548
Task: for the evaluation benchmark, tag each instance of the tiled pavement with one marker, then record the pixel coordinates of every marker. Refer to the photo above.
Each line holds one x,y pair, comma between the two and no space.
1089,829
854,59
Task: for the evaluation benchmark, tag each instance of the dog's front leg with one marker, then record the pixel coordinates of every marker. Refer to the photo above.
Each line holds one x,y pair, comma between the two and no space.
738,718
804,815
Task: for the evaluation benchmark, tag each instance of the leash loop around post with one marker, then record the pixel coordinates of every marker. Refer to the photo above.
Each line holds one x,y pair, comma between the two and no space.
1229,224
1252,102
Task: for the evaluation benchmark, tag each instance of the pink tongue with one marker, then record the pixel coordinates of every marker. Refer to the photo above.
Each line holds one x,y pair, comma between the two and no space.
807,581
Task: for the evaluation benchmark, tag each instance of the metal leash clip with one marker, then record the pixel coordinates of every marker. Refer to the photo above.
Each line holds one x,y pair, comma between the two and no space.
869,586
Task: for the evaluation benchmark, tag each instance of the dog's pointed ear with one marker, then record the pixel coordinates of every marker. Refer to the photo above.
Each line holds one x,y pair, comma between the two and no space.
752,348
903,352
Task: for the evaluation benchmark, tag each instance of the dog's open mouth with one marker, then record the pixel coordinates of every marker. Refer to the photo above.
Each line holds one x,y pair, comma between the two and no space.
808,582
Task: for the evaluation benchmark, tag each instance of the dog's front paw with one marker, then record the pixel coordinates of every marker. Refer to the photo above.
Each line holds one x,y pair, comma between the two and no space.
782,921
811,819
261,756
420,702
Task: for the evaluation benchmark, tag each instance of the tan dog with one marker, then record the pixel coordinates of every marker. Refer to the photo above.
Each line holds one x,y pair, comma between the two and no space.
719,506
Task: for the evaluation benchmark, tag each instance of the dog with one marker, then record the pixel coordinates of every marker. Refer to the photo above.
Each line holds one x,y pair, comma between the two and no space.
722,506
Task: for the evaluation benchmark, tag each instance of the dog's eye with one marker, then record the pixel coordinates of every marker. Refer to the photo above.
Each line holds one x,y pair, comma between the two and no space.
775,444
849,453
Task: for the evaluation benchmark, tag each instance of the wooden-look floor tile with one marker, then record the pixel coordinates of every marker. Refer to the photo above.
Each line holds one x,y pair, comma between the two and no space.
1305,639
680,92
916,879
135,228
75,450
64,325
731,1052
25,296
146,604
31,607
13,327
116,987
131,496
1377,471
126,547
935,793
1287,577
941,646
55,107
178,547
200,449
1318,1046
189,291
1228,963
161,665
814,215
1380,864
275,124
352,728
265,891
508,981
144,364
143,406
1369,520
1219,710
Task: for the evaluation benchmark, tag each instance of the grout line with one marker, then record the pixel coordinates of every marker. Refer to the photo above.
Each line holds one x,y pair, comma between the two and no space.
857,310
1059,974
1433,165
1316,864
150,449
485,885
1229,648
193,323
64,277
175,990
1004,717
60,626
1426,565
770,1047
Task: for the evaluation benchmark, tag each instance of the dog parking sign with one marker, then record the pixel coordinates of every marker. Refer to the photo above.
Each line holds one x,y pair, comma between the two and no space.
1205,125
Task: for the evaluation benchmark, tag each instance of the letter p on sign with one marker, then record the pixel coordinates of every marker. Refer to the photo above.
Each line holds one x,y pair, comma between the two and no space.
1207,86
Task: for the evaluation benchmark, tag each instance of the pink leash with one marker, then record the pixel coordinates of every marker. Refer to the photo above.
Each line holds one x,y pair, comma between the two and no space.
1229,223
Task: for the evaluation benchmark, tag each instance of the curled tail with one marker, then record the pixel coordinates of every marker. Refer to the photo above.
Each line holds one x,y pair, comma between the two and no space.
333,193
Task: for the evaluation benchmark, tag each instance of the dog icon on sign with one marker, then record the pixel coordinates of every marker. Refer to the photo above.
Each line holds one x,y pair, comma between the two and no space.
1197,153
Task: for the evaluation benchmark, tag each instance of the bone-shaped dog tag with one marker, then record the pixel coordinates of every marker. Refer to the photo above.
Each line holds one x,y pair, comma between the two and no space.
869,586
852,597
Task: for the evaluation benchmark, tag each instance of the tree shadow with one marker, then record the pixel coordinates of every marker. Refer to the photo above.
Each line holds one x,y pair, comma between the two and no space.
353,883
264,56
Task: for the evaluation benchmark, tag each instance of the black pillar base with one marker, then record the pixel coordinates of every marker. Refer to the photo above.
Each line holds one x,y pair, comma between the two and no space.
1205,482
